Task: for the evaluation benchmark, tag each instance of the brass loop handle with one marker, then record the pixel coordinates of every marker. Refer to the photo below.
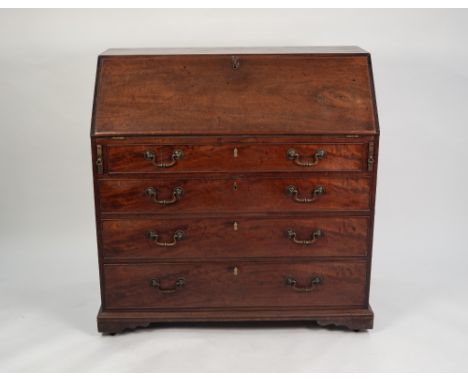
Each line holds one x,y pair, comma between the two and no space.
313,237
155,283
291,281
151,156
154,236
152,194
294,192
296,157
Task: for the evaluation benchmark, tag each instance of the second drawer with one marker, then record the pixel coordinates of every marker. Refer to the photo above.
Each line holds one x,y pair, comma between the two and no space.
248,194
234,238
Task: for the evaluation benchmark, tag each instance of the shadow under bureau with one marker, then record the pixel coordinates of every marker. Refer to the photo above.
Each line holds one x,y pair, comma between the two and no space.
234,185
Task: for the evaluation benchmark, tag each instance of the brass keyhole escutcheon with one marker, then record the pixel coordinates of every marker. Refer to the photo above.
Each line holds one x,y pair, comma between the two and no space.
235,226
234,186
235,152
235,271
235,62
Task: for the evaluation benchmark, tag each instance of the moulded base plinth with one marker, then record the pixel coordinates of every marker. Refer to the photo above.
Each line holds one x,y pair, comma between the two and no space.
117,321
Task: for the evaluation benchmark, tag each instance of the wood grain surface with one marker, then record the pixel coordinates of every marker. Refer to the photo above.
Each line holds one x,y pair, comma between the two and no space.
203,94
208,238
216,285
128,159
247,194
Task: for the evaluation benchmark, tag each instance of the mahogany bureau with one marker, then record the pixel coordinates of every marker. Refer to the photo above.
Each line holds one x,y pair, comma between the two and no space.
234,185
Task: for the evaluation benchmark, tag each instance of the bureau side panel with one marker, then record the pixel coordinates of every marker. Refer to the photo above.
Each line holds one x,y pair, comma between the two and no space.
374,157
97,211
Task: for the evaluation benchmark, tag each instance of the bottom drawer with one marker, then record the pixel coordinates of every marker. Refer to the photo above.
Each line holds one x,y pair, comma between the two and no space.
242,284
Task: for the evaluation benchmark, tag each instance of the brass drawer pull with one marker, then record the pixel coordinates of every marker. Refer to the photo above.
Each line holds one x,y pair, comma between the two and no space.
151,156
314,237
155,283
154,236
294,192
291,281
296,157
152,194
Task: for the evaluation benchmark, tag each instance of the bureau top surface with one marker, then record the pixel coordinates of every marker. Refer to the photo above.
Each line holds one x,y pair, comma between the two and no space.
235,91
236,50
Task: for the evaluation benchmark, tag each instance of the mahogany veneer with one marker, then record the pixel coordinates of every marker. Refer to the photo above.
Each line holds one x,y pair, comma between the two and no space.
234,185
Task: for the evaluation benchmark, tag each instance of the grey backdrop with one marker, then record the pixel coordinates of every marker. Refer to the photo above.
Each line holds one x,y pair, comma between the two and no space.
48,266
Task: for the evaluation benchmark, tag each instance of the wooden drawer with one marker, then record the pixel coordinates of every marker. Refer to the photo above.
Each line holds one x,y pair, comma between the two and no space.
136,239
234,284
127,159
246,194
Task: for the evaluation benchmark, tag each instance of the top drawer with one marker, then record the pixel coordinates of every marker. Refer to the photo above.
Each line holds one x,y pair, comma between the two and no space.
152,158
